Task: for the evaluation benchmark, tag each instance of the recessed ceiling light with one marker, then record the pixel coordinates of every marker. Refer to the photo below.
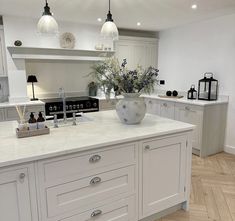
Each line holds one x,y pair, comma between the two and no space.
194,6
138,24
99,19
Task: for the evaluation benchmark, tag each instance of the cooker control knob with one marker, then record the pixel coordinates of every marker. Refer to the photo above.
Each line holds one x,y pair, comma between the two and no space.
74,107
81,106
67,107
94,104
78,106
88,104
50,108
70,107
55,108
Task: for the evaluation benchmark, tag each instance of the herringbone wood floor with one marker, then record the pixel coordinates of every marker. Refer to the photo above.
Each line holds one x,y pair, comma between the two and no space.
212,192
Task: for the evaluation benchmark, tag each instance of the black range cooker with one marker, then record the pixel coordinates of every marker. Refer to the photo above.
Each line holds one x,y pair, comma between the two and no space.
54,106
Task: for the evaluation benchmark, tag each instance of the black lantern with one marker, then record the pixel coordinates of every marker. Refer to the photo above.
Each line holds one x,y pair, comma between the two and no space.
32,79
208,88
192,93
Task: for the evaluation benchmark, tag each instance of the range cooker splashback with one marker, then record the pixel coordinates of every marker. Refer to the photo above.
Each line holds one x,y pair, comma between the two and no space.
73,104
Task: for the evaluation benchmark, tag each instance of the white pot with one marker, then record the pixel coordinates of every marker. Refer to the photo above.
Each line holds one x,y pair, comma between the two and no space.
131,109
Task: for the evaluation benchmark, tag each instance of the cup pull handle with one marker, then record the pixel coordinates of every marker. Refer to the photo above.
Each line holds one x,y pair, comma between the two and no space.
95,159
96,213
95,180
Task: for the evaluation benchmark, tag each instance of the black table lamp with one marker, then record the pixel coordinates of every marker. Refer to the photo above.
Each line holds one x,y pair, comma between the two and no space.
32,79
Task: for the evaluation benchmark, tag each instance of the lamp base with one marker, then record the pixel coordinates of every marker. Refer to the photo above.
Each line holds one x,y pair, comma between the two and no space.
34,99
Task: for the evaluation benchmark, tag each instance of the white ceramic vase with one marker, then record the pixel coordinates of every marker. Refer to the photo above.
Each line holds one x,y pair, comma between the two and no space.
131,109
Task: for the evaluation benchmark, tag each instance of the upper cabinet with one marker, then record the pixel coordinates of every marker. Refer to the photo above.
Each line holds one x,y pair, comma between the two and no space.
137,51
3,71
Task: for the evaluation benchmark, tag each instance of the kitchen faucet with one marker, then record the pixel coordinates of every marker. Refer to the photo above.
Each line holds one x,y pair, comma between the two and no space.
62,95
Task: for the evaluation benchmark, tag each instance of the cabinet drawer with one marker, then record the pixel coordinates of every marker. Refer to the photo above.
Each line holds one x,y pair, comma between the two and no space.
2,115
123,210
68,168
81,194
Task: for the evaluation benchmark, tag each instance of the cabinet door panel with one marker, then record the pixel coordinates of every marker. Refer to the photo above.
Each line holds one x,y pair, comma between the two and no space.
14,200
192,115
2,115
153,106
164,169
167,110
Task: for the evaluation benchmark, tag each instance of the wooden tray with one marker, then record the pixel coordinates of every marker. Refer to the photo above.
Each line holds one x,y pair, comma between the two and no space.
32,133
175,97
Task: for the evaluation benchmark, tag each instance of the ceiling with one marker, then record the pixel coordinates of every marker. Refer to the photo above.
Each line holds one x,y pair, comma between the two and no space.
154,15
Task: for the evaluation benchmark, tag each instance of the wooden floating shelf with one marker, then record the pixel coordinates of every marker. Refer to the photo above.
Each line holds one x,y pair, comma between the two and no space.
34,53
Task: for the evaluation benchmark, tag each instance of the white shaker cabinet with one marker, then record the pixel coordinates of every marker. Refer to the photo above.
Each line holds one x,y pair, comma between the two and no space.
15,196
137,51
167,109
193,115
164,173
3,71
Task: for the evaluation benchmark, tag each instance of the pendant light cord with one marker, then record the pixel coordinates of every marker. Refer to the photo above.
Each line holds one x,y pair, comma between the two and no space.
109,5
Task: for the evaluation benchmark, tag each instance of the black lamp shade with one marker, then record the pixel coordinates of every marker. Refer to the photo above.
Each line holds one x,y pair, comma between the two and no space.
32,79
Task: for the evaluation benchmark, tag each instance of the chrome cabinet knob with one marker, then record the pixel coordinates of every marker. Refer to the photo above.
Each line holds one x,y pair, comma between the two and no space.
96,213
95,159
187,108
95,180
147,147
22,177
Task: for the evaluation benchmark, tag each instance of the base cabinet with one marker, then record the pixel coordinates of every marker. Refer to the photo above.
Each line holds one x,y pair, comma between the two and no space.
126,182
164,173
207,138
15,202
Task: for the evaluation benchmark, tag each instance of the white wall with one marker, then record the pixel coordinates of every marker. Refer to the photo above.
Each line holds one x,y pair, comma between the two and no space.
186,52
51,75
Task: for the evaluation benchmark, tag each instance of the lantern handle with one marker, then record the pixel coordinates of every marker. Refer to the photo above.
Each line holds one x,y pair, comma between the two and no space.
208,73
193,86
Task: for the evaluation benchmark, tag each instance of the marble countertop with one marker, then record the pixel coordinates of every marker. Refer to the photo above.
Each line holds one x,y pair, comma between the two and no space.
27,103
184,100
99,130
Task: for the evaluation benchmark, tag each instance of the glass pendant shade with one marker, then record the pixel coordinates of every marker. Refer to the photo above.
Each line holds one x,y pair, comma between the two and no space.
47,24
109,31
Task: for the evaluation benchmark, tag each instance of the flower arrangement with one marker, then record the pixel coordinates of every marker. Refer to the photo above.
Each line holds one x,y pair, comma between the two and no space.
109,76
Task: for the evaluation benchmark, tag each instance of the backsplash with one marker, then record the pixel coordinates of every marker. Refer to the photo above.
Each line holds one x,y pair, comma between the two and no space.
4,90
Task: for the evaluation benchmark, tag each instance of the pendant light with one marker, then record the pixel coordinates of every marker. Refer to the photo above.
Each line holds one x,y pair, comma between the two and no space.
109,29
47,24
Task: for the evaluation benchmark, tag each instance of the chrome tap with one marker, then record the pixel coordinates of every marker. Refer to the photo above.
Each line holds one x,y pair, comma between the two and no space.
62,95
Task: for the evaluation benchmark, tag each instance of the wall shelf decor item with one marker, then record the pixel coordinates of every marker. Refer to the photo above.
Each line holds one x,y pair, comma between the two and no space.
67,40
208,88
109,29
47,24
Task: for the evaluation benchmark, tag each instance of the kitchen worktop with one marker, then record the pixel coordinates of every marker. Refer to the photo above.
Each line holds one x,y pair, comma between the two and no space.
184,100
101,129
27,103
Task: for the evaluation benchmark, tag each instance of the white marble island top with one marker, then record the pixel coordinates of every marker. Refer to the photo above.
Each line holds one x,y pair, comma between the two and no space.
103,129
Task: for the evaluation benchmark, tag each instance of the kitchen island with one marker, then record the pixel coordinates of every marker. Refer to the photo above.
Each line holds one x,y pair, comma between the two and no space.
99,169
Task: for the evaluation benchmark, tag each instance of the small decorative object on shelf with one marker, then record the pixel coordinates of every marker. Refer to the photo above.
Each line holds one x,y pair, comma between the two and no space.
175,93
109,76
192,93
67,40
208,88
99,47
18,43
92,87
32,79
168,93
